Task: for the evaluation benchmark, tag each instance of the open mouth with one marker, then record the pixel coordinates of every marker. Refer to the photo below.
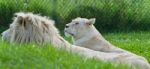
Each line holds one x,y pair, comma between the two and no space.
68,33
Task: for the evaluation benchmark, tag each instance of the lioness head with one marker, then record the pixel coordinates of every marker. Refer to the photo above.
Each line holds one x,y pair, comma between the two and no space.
78,27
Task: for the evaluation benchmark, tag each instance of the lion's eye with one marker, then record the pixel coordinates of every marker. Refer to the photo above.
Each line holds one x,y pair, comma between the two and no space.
76,23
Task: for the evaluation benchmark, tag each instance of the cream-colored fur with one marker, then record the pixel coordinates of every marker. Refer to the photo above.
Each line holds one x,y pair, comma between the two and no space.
86,35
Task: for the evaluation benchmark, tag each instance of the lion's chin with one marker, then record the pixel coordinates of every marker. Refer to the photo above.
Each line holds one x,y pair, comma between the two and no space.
68,34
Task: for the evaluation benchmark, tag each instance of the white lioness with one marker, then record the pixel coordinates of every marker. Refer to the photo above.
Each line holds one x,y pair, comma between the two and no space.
86,35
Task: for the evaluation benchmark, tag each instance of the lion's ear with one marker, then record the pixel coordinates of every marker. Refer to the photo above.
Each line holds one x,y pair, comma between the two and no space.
91,21
28,18
20,19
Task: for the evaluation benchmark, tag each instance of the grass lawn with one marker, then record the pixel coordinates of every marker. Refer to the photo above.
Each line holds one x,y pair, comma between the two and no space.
32,57
136,42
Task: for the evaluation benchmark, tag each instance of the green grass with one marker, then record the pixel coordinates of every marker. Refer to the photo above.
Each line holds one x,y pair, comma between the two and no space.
13,56
136,42
32,57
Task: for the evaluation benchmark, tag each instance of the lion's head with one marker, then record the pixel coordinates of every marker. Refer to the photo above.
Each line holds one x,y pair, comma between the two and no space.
79,26
28,27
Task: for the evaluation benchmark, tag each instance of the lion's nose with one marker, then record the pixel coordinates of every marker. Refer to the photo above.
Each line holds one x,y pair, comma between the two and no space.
66,26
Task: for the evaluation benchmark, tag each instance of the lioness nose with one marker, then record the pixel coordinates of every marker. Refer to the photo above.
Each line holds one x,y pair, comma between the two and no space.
66,26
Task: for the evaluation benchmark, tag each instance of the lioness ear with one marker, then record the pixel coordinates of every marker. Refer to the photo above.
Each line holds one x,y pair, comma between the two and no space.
91,21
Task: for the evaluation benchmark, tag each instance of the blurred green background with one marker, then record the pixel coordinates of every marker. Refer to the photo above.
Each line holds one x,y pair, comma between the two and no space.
111,15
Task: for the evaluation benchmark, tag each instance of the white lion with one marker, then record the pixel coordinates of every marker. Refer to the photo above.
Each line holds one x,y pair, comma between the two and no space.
86,35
